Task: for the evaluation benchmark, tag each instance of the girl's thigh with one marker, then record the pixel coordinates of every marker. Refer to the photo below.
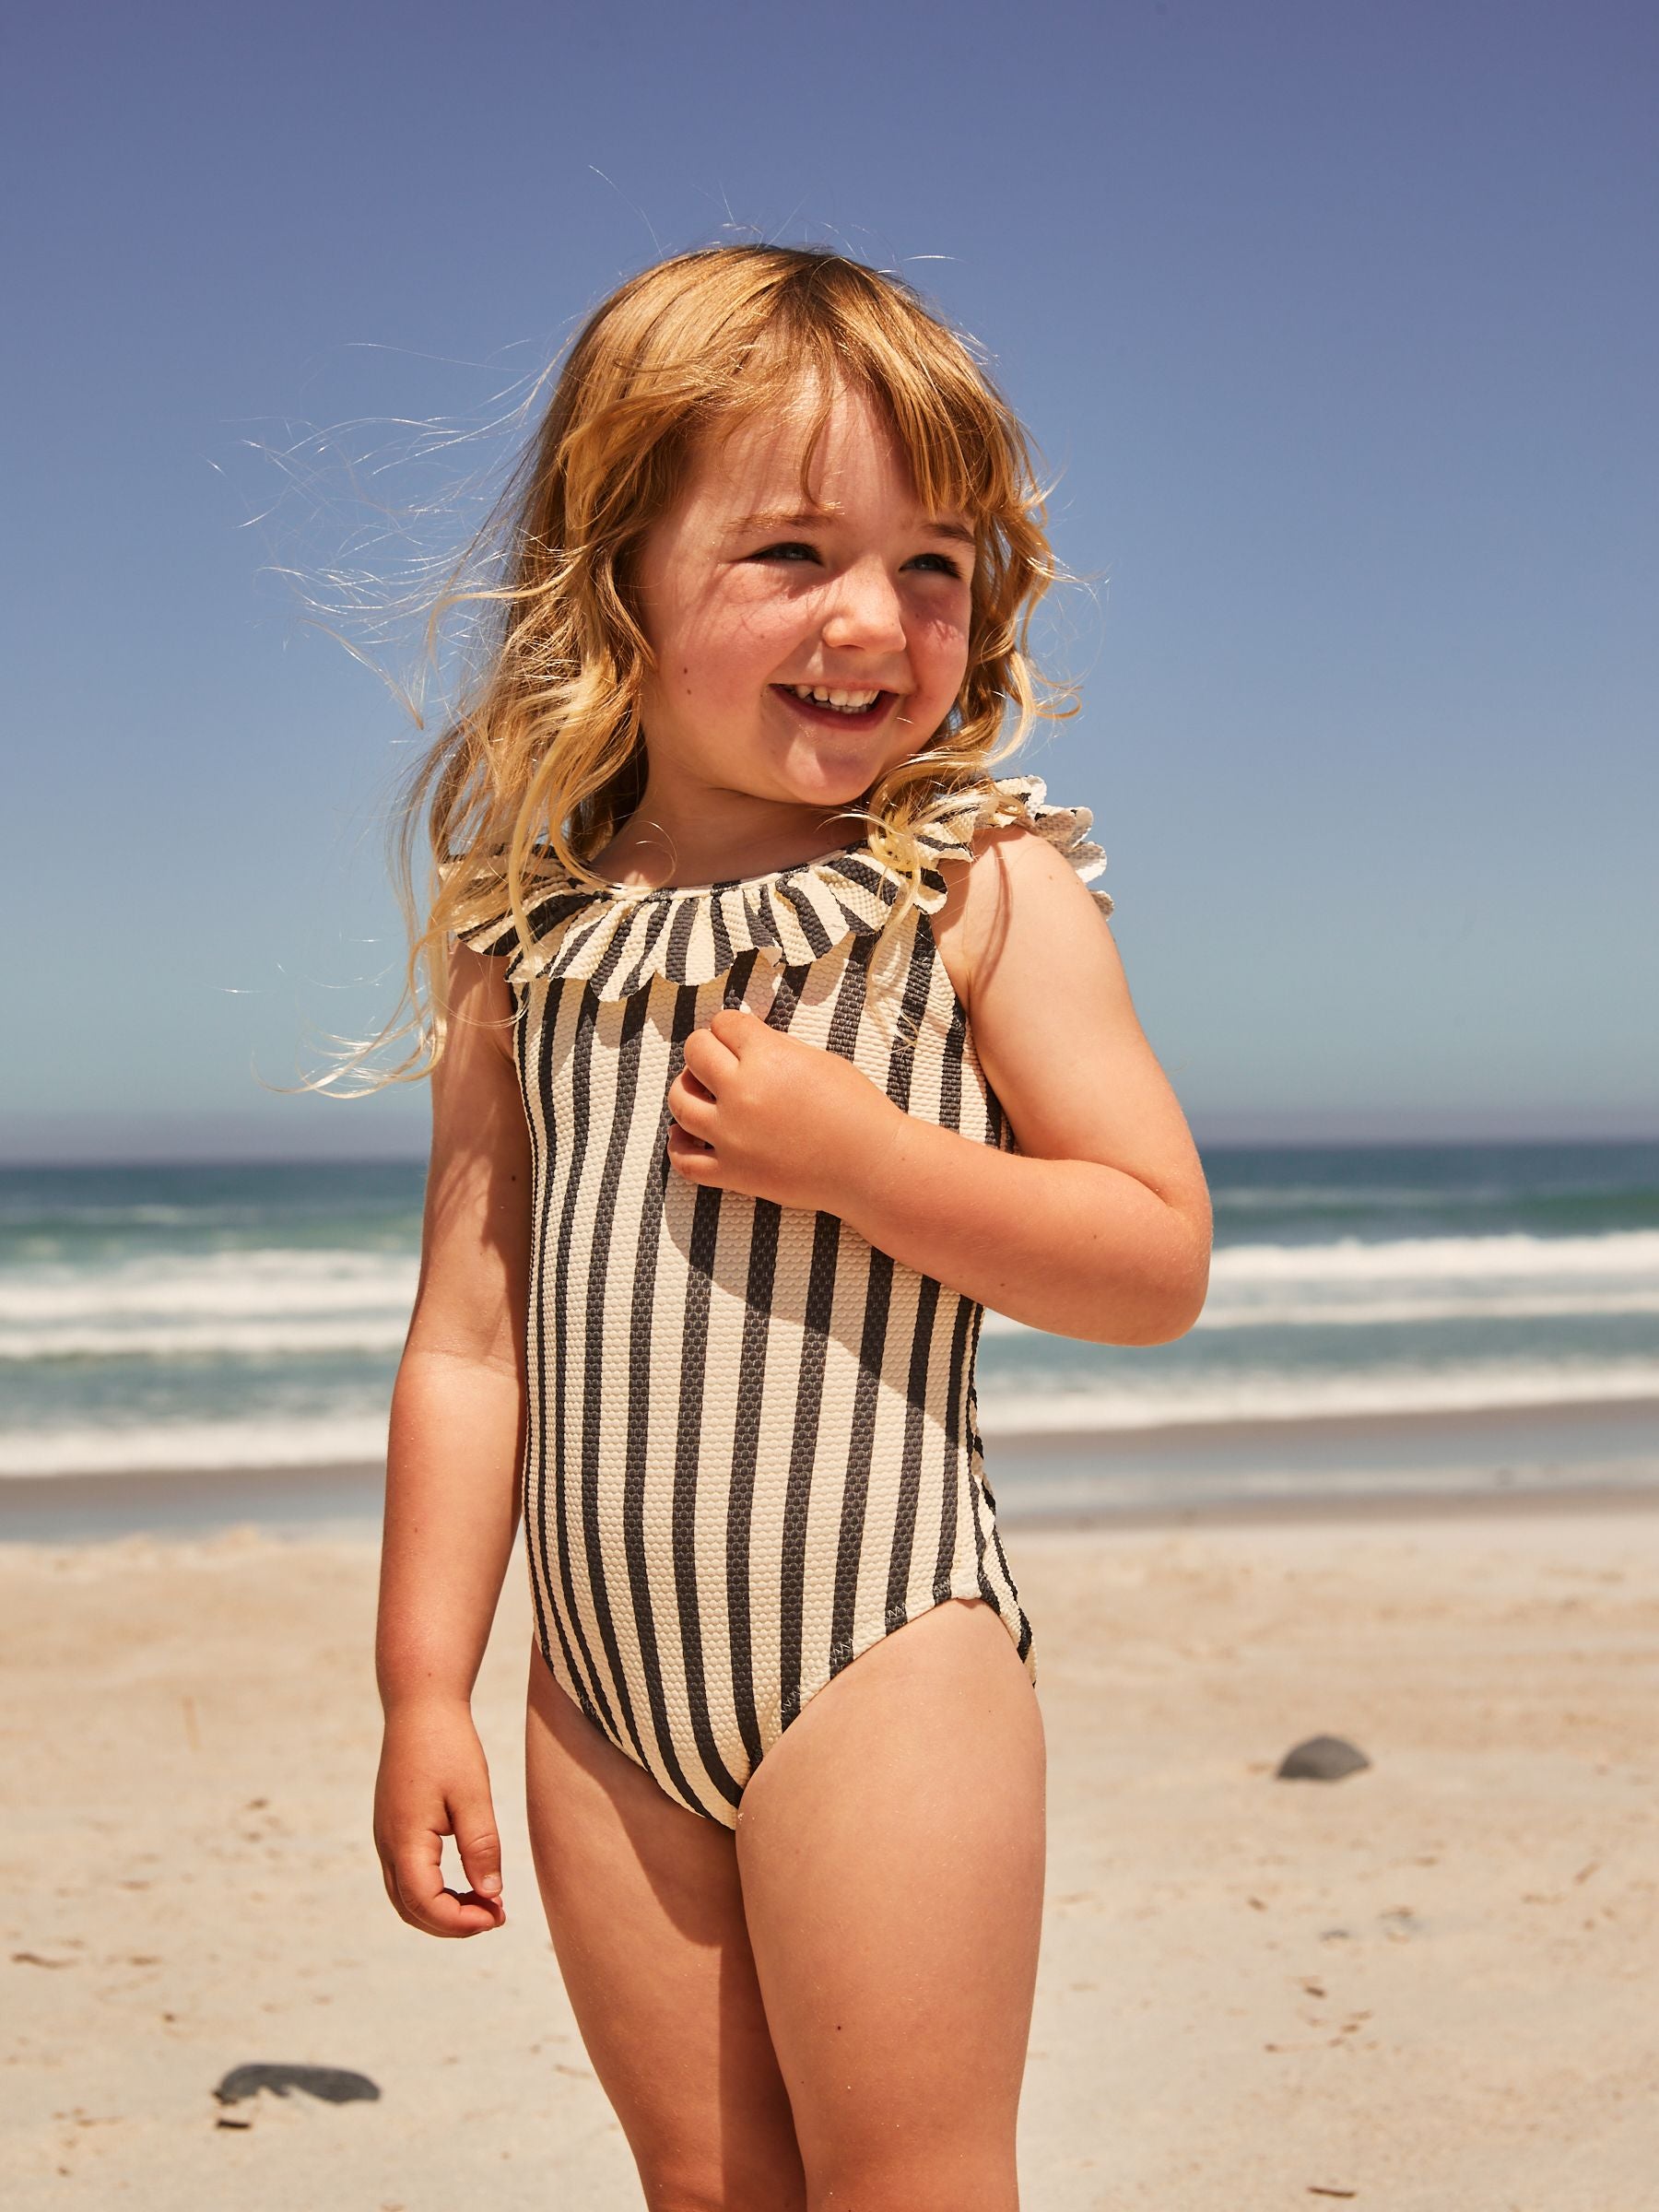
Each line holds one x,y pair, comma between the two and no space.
645,1911
891,1847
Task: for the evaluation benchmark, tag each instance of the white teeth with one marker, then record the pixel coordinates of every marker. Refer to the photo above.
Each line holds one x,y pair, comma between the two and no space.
851,702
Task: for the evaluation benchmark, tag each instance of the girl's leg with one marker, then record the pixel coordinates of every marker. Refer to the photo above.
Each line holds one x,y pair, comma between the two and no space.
645,1911
891,1846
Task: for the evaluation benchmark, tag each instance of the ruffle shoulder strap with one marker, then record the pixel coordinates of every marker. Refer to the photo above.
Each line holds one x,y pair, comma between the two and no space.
616,938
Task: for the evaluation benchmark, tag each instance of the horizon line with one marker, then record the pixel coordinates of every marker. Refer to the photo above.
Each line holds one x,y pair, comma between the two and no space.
1233,1141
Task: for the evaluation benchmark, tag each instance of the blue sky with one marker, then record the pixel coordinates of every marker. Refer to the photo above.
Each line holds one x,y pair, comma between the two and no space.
1335,322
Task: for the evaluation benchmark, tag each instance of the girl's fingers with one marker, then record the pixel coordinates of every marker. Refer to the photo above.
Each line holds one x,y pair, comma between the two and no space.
708,1056
692,1110
422,1899
473,1829
393,1900
731,1028
416,1874
690,1156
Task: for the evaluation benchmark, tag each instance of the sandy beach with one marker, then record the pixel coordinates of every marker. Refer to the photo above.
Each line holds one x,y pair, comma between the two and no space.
1427,1985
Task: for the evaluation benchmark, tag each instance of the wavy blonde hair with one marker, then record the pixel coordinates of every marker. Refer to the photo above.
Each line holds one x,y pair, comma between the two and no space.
544,757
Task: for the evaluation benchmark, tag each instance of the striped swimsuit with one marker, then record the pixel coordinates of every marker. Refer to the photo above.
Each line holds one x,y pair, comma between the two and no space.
752,1446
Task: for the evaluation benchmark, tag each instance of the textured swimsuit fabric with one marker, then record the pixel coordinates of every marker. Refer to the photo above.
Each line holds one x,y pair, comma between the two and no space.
752,1445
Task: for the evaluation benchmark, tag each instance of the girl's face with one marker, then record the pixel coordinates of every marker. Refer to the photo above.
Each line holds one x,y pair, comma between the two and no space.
750,603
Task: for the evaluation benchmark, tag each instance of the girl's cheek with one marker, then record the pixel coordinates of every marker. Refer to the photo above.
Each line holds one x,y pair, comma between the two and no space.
772,634
946,645
941,650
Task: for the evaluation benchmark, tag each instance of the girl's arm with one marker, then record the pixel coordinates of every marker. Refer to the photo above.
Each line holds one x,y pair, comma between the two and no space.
1098,1227
453,1465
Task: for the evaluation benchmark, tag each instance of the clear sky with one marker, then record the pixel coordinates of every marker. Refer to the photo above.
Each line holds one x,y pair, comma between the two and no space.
1335,321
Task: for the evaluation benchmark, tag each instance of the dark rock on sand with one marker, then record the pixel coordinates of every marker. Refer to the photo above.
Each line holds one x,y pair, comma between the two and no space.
333,2084
1320,1758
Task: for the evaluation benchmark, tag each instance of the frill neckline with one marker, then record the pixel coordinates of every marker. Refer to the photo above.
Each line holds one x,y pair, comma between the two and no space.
618,938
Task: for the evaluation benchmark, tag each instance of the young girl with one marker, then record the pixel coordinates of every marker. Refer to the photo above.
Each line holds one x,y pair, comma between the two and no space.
774,1038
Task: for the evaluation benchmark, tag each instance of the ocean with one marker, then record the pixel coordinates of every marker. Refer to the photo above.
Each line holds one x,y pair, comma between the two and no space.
1369,1308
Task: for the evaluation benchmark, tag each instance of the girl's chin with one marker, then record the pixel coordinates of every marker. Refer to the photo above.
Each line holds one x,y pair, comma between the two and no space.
837,718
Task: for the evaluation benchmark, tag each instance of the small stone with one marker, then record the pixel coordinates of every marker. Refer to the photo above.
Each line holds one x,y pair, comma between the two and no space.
1320,1758
334,2085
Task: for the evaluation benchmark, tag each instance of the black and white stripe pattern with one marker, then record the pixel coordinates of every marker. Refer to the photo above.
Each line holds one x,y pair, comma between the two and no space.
752,1445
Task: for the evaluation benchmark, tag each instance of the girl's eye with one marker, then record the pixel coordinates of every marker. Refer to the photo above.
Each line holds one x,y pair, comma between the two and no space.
790,547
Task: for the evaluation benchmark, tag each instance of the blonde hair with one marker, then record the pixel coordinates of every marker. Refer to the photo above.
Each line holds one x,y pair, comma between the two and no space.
543,758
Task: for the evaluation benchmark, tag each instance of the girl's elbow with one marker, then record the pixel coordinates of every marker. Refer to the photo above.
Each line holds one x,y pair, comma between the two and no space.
1173,1320
1171,1304
1154,1323
1188,1294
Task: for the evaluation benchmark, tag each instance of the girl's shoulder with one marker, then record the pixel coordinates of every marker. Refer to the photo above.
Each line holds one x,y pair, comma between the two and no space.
617,937
1022,802
1025,887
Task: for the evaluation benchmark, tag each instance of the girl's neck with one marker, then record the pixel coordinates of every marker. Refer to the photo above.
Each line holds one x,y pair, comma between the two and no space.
644,855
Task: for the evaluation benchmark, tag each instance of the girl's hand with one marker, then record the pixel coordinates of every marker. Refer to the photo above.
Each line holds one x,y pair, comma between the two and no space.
758,1111
433,1783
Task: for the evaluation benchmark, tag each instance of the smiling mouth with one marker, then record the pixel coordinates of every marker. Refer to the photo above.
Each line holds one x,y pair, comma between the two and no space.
859,710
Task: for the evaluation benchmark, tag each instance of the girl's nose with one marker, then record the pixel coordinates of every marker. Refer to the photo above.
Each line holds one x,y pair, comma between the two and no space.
866,612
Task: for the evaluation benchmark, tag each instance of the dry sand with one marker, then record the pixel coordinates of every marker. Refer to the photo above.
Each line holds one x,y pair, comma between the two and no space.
1429,1987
